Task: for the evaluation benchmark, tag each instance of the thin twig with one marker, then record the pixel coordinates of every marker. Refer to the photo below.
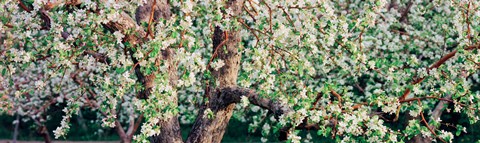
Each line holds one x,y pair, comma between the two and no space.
270,15
426,123
215,53
23,6
251,30
150,20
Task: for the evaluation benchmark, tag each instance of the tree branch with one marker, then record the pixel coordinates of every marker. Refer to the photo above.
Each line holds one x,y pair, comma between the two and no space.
100,57
404,16
229,95
23,6
437,112
133,127
436,65
426,123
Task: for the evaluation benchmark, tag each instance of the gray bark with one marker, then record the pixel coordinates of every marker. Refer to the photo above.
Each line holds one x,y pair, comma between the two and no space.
211,130
81,121
162,10
121,133
225,97
15,132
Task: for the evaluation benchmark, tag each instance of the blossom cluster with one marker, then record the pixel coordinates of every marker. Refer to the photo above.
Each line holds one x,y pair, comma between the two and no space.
347,63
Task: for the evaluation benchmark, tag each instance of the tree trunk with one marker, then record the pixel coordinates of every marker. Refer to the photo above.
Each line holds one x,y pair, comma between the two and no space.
81,121
207,130
170,129
121,133
15,131
169,132
126,140
43,131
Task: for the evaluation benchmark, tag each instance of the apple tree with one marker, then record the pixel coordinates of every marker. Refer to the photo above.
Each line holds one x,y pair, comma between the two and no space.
347,69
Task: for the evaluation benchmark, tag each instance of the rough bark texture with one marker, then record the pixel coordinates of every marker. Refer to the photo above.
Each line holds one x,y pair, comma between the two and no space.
212,130
228,95
223,99
170,129
207,130
162,10
227,75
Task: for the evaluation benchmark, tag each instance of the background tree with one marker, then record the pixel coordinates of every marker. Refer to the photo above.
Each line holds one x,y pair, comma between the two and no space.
349,69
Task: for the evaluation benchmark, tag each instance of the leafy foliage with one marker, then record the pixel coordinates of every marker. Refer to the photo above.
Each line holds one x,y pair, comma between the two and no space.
346,68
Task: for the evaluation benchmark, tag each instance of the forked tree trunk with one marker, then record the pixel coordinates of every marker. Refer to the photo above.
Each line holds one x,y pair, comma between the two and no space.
204,130
207,130
126,140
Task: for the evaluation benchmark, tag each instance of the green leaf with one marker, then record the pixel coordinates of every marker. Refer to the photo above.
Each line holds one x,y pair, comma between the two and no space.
174,34
120,70
4,71
459,130
148,70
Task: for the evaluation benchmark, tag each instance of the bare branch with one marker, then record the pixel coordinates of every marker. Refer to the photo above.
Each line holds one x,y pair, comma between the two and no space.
230,95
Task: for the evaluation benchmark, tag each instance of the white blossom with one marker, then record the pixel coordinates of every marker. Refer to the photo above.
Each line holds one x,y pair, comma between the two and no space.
218,64
244,101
